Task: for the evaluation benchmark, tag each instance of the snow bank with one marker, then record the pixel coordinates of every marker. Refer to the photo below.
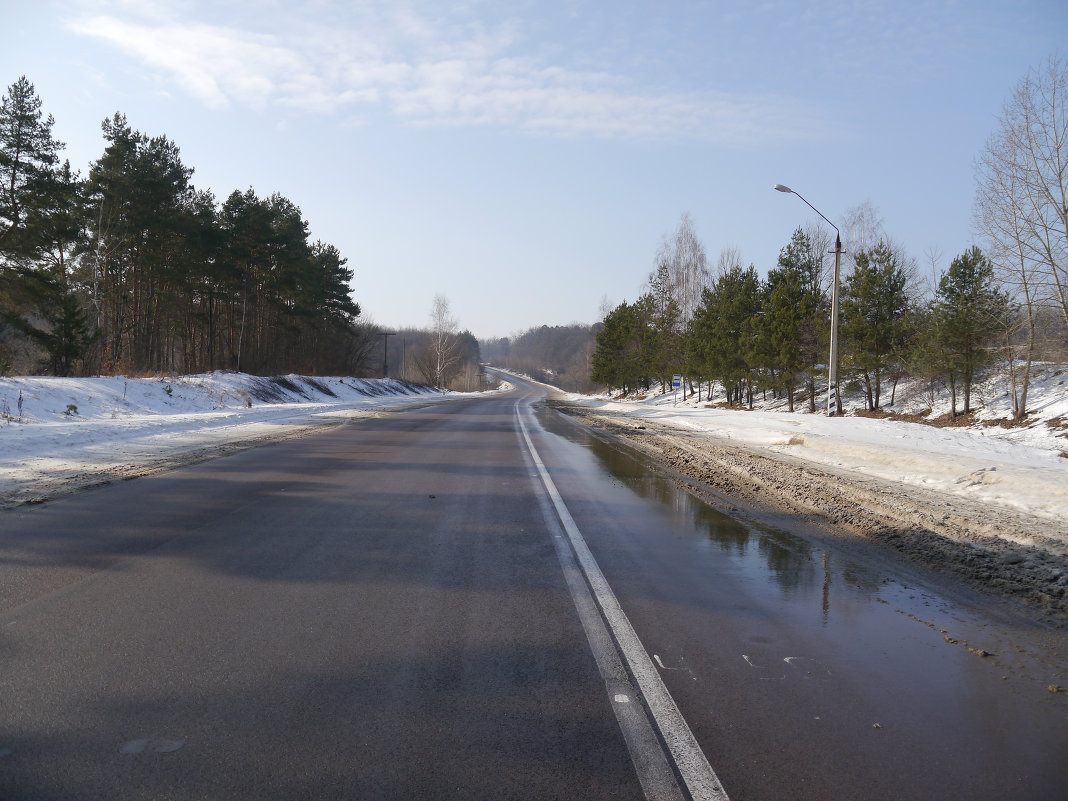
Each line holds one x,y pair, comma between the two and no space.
56,430
1023,468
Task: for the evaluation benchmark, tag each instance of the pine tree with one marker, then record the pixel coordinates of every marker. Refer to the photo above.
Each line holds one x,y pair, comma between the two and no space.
970,312
721,339
874,317
28,156
784,311
617,358
41,217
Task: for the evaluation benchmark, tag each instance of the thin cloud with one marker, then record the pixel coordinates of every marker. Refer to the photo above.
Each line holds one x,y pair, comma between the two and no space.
427,78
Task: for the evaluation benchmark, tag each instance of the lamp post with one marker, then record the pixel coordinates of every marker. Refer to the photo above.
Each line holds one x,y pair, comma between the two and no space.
832,367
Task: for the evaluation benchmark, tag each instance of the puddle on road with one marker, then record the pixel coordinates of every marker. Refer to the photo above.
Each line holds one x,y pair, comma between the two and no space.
796,565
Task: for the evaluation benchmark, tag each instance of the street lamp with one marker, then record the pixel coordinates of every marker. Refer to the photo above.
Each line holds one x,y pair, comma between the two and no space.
832,367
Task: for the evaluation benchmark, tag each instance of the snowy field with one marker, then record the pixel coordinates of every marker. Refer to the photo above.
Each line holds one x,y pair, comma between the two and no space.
63,433
1024,468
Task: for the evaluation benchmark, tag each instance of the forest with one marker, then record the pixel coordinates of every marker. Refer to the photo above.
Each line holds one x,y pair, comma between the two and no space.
132,269
561,355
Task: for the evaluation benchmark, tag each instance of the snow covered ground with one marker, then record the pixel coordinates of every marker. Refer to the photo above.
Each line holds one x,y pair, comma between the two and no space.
62,433
71,426
1024,468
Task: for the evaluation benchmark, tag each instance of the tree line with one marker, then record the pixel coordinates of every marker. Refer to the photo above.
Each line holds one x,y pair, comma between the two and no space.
1007,303
133,269
754,335
560,355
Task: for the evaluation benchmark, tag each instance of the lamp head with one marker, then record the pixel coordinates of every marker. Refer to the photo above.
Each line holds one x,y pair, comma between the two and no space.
781,188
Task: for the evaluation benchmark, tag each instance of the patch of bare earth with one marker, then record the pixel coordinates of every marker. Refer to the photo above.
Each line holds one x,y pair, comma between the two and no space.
1002,552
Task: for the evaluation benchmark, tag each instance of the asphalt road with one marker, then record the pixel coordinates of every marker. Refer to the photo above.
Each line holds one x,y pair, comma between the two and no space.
473,601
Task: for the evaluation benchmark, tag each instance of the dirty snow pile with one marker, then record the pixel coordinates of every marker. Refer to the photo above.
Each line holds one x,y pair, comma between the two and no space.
61,430
1024,468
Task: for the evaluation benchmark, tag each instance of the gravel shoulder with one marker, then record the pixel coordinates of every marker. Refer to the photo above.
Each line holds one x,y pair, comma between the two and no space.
1000,552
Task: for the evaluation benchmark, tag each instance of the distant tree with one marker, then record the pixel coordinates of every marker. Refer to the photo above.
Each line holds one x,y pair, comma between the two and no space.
874,317
729,258
970,312
925,359
442,354
560,355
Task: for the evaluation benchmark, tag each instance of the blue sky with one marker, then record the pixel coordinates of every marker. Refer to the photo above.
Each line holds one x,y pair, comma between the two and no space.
526,158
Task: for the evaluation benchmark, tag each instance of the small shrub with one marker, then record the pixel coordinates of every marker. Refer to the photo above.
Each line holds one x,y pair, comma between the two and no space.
71,410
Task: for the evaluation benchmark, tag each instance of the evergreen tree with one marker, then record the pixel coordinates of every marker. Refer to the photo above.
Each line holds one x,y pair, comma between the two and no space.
874,317
721,339
29,155
970,311
785,308
65,336
802,258
664,348
618,358
41,224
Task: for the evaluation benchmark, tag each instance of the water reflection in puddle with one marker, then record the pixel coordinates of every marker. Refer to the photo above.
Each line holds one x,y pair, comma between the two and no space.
797,566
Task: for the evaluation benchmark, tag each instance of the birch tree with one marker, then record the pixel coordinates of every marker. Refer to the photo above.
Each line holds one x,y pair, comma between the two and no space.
442,348
682,268
1021,208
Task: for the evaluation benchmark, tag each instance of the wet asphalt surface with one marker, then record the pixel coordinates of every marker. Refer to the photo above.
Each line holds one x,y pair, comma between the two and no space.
379,611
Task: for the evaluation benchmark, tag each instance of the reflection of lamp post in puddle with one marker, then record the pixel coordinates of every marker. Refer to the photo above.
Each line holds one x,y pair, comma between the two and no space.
832,367
826,585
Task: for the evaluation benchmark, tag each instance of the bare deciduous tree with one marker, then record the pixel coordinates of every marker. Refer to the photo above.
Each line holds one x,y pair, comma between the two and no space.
1021,207
729,260
442,350
821,241
862,229
683,256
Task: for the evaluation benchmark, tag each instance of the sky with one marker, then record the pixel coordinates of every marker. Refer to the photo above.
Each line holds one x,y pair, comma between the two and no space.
526,159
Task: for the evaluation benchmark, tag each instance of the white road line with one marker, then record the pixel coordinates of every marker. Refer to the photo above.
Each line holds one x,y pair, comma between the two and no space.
701,781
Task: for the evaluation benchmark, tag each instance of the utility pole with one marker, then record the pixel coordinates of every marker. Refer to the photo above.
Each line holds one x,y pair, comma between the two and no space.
385,352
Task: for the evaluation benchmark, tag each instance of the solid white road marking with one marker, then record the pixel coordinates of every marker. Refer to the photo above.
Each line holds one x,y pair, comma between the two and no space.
701,781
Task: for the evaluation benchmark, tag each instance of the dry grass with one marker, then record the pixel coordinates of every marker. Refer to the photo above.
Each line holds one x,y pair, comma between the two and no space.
1059,426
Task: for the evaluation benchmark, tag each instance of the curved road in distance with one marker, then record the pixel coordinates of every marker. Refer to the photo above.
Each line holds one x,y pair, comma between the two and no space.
477,599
